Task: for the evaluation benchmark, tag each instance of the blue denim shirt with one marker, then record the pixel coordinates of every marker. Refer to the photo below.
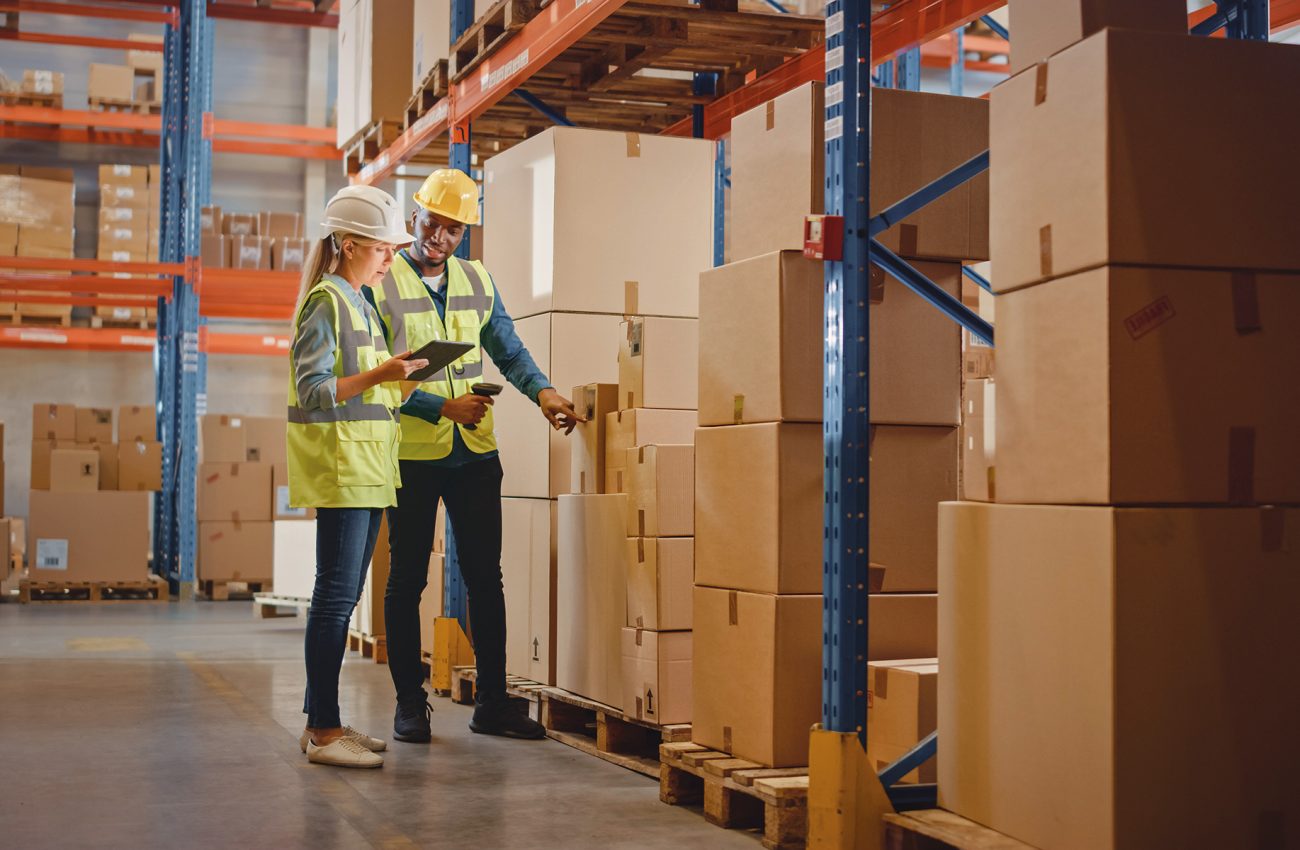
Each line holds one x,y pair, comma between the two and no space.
499,341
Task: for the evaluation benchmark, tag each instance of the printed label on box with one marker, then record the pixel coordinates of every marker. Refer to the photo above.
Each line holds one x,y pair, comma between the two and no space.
282,507
51,554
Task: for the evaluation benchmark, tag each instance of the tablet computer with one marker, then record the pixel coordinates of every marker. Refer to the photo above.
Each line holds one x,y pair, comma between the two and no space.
440,353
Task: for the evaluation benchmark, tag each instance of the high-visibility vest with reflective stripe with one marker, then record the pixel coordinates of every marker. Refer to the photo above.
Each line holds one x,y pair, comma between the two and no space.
412,321
346,456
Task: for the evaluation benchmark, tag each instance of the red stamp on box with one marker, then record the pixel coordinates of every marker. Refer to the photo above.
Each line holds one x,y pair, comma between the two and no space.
1150,317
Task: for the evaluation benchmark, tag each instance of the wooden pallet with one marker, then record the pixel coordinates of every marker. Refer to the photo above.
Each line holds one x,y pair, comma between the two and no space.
431,90
268,605
19,98
217,590
136,323
484,36
736,793
104,104
367,144
56,320
935,829
149,590
370,646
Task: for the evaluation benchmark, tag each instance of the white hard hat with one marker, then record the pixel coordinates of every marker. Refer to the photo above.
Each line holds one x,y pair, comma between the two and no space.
366,211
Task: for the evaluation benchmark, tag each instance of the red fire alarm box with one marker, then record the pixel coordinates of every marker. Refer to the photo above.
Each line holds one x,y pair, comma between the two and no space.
823,237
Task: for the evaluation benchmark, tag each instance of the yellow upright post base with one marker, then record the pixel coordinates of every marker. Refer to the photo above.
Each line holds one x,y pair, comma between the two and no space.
845,797
451,648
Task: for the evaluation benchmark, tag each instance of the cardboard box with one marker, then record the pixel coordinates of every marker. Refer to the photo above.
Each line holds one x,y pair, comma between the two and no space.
74,470
110,82
902,708
250,252
145,60
528,561
280,225
90,536
236,551
94,424
374,64
210,220
657,364
1158,399
124,237
657,675
214,250
280,507
237,492
41,453
42,82
979,441
431,602
778,156
265,439
571,349
125,216
588,251
1091,650
239,224
293,559
432,30
17,541
977,357
913,469
368,617
1089,165
225,439
757,674
903,625
119,174
661,491
628,429
109,478
758,507
136,422
593,402
591,596
139,464
288,255
660,575
54,422
1045,28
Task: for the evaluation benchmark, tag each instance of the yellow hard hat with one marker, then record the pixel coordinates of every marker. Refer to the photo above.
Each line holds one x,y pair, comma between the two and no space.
452,193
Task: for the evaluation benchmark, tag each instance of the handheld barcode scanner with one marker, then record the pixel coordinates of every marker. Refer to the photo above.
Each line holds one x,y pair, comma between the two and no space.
487,390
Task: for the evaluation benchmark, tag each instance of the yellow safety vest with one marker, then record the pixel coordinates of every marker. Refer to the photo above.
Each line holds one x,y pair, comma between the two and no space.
346,456
412,320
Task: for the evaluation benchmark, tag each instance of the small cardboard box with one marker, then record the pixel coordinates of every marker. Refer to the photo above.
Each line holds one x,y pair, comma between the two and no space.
280,507
657,364
41,453
236,551
139,465
280,225
234,492
88,536
626,429
110,82
661,491
657,675
210,220
265,439
118,174
214,250
528,565
288,255
225,439
660,578
979,441
293,559
124,237
902,704
250,252
126,216
239,224
74,470
144,59
108,466
54,422
136,422
368,617
94,424
431,601
1045,27
593,402
42,82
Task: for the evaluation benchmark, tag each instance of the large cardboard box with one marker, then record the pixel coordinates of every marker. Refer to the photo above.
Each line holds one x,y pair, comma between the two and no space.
145,60
280,507
293,558
1045,27
1090,157
92,536
74,470
554,244
139,465
761,345
661,491
757,673
250,252
1089,652
528,542
239,224
432,42
913,469
657,675
571,349
236,492
265,439
225,439
778,156
374,66
628,429
979,441
289,255
111,82
593,402
136,422
54,422
236,551
94,424
1132,386
902,708
42,450
758,507
657,363
108,465
591,596
903,625
280,225
660,578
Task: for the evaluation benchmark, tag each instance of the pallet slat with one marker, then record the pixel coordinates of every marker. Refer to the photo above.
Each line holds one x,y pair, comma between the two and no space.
150,590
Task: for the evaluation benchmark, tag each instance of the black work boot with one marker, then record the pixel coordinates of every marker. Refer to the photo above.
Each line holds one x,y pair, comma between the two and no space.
411,722
498,714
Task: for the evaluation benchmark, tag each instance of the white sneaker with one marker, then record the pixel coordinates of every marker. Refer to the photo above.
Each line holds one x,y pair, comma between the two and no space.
343,752
375,745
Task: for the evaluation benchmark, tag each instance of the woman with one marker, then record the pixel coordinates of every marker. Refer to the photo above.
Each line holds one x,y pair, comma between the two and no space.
344,392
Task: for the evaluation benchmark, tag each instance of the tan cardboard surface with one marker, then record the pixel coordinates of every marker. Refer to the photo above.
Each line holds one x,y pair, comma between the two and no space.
587,450
94,424
903,625
236,551
913,469
661,491
902,706
528,573
660,576
91,536
234,492
74,470
108,465
431,601
265,439
628,429
591,596
656,674
41,452
979,441
224,438
374,50
136,422
111,82
1044,27
139,465
657,360
54,422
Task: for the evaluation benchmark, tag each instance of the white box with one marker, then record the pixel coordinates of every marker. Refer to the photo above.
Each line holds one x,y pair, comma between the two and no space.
528,574
293,558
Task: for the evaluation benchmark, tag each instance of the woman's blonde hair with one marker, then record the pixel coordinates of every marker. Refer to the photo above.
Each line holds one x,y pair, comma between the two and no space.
324,259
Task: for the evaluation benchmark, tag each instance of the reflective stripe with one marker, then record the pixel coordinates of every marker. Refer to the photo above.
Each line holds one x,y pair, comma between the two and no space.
468,371
350,341
398,308
348,412
479,300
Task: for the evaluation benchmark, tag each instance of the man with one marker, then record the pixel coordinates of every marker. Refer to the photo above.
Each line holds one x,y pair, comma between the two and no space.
448,452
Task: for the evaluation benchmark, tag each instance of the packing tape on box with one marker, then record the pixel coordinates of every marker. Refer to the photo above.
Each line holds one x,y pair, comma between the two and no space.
1040,84
639,714
771,114
733,613
640,559
213,478
582,481
640,622
631,400
880,683
875,578
639,632
213,538
908,238
640,522
1045,250
1241,465
726,739
992,483
633,144
1245,303
738,409
631,297
640,454
1272,529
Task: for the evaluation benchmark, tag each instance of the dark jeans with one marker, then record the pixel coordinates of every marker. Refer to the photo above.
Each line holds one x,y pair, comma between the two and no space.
345,541
472,496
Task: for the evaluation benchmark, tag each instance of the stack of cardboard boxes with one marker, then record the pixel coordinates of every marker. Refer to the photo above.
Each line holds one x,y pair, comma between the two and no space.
36,220
129,205
89,507
586,264
43,87
1114,622
759,451
270,241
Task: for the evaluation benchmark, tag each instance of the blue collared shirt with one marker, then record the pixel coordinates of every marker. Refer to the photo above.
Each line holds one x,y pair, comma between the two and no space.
498,340
315,345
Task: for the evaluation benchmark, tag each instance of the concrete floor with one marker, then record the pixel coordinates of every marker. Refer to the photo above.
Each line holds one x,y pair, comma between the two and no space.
142,725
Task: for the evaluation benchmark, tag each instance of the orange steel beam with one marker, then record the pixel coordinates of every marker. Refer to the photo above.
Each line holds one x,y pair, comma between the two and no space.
416,138
76,40
99,284
292,151
71,299
78,135
275,345
214,127
83,339
81,10
81,117
301,16
98,266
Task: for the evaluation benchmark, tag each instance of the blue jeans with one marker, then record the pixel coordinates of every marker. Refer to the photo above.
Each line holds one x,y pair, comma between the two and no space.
345,541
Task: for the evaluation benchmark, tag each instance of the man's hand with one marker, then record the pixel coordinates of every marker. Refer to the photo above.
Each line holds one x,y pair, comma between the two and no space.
558,410
468,409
